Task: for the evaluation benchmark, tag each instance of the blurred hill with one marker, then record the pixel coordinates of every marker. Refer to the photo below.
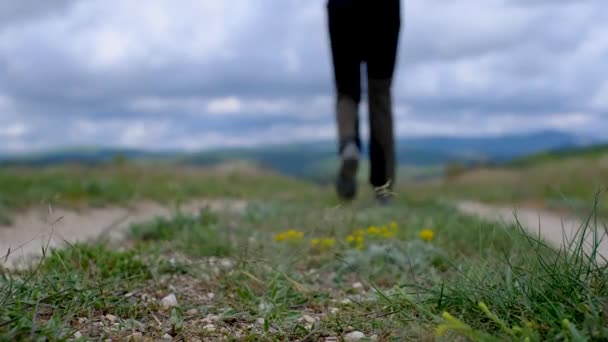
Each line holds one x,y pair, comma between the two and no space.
318,160
562,179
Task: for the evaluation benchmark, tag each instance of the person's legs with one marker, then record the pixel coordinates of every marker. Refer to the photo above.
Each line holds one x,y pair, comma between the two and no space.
347,69
382,42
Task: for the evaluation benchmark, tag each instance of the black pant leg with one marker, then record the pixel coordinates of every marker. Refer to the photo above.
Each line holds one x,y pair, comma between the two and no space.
346,48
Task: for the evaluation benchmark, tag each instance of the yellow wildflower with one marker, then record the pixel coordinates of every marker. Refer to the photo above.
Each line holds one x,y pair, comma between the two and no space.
291,235
324,243
350,238
373,230
427,235
360,242
328,242
386,233
394,225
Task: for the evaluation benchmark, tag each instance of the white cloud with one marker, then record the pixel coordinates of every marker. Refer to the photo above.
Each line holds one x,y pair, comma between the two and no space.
225,105
599,100
12,131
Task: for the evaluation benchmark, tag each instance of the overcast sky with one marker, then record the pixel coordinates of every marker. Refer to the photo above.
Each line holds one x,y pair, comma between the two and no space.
194,74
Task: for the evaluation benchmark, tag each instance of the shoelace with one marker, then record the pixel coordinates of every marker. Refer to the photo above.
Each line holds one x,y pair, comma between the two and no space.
384,190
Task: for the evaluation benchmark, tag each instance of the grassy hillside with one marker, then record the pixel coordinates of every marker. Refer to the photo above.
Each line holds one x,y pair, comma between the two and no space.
316,161
81,186
591,153
293,265
565,179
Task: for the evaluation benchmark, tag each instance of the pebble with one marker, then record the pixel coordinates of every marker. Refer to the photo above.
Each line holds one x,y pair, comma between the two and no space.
192,312
111,318
354,336
261,321
210,295
346,301
78,334
209,328
169,302
227,264
167,337
334,310
357,286
136,336
308,319
210,318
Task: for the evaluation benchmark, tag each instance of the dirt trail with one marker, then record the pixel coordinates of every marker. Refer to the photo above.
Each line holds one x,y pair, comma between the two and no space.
552,226
37,228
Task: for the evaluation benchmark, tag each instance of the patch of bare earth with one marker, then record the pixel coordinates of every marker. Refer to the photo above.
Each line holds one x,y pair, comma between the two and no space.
558,229
40,228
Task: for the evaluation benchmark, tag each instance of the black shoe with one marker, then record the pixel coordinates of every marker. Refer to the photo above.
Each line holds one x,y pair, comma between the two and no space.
384,194
346,184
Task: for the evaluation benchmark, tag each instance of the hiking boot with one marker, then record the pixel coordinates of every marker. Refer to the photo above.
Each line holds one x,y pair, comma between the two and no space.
346,184
384,194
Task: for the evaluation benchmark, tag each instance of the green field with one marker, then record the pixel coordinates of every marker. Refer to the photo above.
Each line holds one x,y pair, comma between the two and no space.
561,180
295,264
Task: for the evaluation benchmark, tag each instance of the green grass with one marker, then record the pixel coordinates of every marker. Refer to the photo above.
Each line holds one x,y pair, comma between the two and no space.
80,186
80,281
234,280
550,295
561,181
590,153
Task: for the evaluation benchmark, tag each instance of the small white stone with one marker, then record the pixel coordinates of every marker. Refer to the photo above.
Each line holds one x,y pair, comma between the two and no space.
210,295
168,337
78,334
357,286
374,338
111,318
192,312
308,319
227,264
82,320
169,302
261,321
354,336
346,301
210,318
136,336
334,310
209,328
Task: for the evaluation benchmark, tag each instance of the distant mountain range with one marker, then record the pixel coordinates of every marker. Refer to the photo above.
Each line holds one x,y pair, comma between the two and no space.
314,159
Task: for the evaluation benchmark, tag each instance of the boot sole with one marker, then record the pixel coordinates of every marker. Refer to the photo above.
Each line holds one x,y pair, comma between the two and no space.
346,184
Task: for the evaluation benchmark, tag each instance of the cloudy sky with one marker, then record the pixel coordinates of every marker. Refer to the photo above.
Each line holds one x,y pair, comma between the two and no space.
194,74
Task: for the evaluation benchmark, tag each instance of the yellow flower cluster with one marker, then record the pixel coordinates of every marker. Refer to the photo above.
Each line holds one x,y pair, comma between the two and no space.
323,243
383,232
291,235
427,235
357,239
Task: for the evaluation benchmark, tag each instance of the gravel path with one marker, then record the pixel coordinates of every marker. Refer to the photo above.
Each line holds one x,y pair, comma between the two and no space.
36,229
553,227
